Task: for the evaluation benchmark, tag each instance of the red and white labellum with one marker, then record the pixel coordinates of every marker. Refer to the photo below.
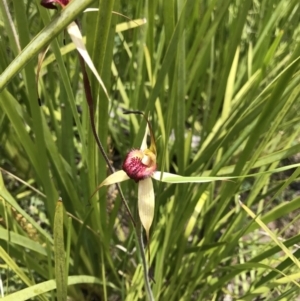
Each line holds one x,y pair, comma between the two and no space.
139,164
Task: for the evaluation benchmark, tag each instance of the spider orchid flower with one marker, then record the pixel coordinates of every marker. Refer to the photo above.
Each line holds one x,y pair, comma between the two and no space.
140,165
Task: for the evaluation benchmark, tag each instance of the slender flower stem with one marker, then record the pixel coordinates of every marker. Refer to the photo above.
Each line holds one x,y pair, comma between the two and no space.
139,229
144,261
89,98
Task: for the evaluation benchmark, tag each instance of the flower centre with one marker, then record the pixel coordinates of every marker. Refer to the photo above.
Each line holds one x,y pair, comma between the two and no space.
139,164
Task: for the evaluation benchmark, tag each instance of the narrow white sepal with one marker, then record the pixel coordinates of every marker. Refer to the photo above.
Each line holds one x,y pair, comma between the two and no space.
146,203
77,39
116,177
144,142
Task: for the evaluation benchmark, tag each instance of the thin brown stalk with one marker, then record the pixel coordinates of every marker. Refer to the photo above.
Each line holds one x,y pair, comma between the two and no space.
89,98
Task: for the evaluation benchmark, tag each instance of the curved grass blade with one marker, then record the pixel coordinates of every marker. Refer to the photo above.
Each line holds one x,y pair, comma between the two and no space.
44,287
59,253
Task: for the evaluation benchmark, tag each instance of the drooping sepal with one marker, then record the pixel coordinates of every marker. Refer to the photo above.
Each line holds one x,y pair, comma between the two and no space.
146,204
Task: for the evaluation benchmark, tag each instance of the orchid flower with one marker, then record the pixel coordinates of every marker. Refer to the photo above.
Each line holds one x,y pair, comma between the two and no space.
140,165
51,3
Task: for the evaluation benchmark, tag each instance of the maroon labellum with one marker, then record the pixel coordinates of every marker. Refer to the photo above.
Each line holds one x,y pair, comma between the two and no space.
139,164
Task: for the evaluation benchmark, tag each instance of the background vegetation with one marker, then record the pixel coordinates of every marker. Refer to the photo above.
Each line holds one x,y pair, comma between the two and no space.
220,80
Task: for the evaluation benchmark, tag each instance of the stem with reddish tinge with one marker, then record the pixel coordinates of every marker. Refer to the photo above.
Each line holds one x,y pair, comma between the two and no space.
144,262
89,98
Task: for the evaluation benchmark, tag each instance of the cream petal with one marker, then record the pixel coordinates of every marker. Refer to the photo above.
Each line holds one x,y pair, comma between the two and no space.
77,39
146,203
144,142
116,177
